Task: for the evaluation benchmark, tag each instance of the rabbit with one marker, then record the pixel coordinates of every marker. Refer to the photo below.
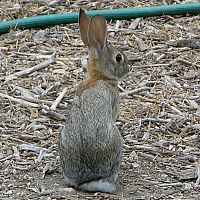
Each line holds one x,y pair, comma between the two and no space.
90,144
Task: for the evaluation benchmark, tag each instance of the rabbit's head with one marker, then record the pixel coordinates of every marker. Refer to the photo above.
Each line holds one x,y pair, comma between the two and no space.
104,59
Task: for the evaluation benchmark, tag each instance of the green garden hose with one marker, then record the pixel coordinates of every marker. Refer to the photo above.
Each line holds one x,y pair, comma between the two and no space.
126,13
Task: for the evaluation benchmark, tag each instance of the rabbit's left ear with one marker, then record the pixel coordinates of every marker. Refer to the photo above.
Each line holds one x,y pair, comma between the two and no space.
97,32
84,21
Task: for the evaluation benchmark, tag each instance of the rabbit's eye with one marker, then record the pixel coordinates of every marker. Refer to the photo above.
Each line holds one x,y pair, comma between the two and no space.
118,57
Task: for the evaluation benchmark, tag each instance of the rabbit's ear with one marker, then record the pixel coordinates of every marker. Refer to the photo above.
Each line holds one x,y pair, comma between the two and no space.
97,32
84,21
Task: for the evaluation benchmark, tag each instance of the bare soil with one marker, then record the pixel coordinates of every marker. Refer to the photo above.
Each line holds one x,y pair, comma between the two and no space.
159,115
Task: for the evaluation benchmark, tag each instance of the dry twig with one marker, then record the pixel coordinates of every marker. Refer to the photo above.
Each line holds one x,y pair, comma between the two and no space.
20,101
32,69
59,99
138,90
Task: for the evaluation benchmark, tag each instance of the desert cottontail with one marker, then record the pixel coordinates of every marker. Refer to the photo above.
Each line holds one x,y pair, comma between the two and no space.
90,144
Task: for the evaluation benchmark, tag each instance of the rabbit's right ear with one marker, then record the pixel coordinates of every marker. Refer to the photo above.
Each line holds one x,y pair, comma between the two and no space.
84,22
97,33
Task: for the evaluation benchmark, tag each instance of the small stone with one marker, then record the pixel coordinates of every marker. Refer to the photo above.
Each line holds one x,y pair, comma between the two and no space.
135,23
39,35
9,192
187,186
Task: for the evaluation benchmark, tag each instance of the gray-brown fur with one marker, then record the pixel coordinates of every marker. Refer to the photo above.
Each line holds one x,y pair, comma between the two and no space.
90,143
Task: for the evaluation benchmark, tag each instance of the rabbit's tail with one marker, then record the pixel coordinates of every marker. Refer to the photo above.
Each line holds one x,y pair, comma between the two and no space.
98,186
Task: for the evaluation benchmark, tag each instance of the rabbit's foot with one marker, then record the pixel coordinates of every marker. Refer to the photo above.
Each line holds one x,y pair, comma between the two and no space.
70,182
98,186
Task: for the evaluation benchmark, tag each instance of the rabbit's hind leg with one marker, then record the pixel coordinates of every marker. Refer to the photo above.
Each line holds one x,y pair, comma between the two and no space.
98,186
70,182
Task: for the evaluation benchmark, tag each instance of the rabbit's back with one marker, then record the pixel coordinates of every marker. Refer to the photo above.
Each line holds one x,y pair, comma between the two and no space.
90,143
